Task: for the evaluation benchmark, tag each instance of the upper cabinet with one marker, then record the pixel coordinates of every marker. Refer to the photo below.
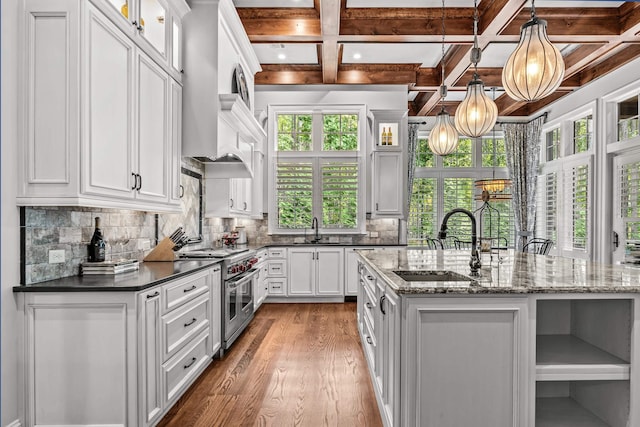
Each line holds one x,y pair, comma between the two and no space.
389,164
154,25
98,118
219,70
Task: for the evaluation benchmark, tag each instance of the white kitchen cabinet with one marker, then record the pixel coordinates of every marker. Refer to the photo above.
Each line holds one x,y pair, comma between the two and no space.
112,144
316,271
260,284
389,165
216,309
150,366
154,25
175,192
145,349
228,198
351,270
388,184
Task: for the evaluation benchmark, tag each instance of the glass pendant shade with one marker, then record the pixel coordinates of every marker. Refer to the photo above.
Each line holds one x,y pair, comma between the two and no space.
477,113
443,138
535,68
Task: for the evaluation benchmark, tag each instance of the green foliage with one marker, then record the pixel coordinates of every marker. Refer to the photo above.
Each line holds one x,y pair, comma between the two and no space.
340,132
424,156
582,134
488,154
422,211
294,132
462,157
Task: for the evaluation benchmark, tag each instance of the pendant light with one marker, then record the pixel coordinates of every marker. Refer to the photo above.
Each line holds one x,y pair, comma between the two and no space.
536,68
443,138
477,113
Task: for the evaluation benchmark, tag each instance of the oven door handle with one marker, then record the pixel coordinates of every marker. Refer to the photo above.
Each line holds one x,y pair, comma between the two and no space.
242,280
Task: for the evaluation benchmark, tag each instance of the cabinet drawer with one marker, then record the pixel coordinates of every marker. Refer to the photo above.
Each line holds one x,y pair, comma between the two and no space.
181,369
183,290
370,304
262,255
179,326
277,268
369,343
277,253
277,286
368,279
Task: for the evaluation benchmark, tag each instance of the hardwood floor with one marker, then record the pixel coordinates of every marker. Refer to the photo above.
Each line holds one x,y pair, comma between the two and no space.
295,365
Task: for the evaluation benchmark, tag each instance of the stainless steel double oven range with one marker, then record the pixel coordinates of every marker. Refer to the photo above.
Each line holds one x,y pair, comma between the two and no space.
238,275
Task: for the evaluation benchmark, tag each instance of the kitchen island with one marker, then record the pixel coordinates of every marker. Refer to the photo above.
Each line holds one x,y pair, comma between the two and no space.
533,341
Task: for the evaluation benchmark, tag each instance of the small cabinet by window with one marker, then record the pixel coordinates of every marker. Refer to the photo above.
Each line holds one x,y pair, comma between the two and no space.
316,272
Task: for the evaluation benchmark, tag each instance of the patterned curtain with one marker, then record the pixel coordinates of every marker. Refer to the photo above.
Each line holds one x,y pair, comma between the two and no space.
412,146
522,141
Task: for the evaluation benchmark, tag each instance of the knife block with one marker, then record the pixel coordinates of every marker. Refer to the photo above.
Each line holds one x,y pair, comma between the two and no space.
162,252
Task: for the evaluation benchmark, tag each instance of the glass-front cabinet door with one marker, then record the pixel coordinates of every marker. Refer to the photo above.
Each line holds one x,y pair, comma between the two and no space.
176,46
152,22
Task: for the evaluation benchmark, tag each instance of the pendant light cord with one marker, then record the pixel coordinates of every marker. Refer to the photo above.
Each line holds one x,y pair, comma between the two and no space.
533,9
443,88
475,52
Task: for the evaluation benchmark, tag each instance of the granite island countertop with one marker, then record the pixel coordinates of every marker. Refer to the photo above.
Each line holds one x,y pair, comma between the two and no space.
506,272
150,274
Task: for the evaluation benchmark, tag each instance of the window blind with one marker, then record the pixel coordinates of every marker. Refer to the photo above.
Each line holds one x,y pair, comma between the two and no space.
339,194
577,182
458,193
423,212
294,189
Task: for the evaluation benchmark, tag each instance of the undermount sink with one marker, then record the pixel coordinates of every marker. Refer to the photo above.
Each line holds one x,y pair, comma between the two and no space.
432,276
313,242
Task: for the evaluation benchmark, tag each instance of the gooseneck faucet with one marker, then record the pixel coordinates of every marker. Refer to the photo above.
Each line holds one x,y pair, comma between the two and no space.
475,258
314,226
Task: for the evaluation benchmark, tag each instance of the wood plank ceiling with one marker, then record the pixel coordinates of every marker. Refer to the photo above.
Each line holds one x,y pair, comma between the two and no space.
302,42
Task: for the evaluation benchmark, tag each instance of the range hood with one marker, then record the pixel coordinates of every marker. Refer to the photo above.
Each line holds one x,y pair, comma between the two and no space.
218,126
229,165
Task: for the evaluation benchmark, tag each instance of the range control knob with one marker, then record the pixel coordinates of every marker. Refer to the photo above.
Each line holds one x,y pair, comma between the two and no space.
242,267
234,269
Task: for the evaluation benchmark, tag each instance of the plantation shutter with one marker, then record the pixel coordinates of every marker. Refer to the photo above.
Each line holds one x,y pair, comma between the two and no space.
547,217
458,193
294,188
577,190
630,200
339,194
423,211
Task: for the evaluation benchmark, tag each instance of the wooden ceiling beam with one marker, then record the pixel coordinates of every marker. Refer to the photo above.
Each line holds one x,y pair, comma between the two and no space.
571,21
621,55
330,18
377,74
273,74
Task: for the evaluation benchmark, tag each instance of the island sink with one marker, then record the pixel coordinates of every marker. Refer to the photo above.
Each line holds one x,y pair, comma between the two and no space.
432,276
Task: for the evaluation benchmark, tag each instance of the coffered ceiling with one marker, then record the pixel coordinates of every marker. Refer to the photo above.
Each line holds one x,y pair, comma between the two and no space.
302,42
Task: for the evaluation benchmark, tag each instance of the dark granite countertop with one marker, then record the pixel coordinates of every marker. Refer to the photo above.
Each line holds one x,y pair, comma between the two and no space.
339,245
507,272
150,274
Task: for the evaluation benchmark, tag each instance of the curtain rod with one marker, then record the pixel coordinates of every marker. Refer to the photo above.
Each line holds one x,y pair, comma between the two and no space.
545,115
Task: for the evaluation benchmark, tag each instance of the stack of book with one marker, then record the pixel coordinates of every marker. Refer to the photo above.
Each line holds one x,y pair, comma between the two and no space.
109,267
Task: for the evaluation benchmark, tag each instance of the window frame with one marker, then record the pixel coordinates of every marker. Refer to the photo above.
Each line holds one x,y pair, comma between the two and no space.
319,156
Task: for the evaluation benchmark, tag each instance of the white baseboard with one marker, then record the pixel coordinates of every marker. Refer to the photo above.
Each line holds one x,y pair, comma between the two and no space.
15,423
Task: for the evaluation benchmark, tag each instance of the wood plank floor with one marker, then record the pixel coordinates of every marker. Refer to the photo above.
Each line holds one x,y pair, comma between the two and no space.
295,365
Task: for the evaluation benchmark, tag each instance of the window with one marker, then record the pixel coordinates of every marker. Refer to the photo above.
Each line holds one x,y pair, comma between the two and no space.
547,215
577,184
630,200
628,118
553,144
316,172
444,183
494,152
462,157
582,134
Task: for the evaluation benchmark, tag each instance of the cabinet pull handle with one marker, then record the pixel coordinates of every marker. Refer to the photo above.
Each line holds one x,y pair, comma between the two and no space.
182,71
370,277
139,182
188,365
369,306
181,191
190,289
231,203
245,206
153,295
135,181
369,340
382,299
376,206
191,322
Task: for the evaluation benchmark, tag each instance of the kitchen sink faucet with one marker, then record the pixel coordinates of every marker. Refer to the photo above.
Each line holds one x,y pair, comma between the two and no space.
475,258
314,226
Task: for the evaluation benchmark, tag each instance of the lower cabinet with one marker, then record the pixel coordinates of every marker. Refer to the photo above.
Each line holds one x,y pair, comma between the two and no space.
123,357
316,271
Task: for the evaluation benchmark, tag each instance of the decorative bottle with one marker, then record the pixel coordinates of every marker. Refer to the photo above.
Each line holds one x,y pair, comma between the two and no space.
97,245
384,137
389,137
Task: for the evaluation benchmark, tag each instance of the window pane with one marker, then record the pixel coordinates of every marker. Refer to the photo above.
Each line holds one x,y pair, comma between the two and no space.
423,212
424,156
294,132
582,134
340,132
553,144
578,179
294,187
462,157
458,194
493,153
497,223
628,118
547,216
630,190
340,195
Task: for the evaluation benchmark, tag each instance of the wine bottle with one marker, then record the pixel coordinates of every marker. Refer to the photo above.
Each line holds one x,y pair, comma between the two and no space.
389,137
97,245
384,137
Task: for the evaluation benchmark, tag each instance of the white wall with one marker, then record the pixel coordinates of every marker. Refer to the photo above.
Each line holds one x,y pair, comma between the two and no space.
10,231
381,97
